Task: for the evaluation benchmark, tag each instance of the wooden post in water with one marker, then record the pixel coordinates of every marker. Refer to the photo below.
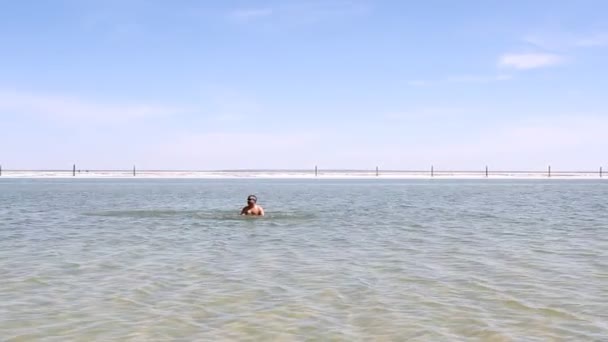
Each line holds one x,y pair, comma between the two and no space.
376,171
74,170
0,170
316,171
432,171
486,171
133,170
549,171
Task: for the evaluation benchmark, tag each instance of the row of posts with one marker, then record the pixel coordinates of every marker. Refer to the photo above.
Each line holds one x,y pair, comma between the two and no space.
317,171
487,172
74,170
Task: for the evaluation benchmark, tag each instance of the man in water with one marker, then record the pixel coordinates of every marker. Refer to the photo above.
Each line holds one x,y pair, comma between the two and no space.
252,207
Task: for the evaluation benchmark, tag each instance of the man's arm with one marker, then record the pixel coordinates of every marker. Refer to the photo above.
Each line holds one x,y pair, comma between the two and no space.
261,211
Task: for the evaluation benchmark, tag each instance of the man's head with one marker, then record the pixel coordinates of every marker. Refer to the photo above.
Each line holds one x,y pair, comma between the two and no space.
252,200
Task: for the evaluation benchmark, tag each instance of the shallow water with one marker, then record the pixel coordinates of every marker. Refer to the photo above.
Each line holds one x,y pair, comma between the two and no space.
436,260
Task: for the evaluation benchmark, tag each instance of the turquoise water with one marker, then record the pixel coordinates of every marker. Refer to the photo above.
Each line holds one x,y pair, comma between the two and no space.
419,260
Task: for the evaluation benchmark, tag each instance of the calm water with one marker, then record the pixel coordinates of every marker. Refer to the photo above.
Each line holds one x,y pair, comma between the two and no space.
141,260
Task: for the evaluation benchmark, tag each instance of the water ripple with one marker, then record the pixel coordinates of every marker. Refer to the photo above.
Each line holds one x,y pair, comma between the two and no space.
340,260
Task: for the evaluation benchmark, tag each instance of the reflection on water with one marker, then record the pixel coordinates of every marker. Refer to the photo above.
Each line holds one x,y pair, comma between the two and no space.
351,260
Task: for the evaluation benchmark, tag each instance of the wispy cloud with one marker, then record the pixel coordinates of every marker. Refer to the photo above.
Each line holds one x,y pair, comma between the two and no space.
568,141
552,46
598,39
229,104
71,108
461,79
251,13
523,61
282,150
504,77
563,141
301,12
556,40
419,83
478,78
426,113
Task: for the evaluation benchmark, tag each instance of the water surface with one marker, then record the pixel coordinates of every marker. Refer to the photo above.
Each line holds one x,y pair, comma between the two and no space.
420,260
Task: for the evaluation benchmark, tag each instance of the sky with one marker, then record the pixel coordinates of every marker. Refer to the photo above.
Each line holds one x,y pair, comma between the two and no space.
347,84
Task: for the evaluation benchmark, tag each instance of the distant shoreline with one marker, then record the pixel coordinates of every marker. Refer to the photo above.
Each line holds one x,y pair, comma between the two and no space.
299,174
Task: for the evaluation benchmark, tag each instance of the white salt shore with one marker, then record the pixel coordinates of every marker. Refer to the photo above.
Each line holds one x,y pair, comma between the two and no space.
249,174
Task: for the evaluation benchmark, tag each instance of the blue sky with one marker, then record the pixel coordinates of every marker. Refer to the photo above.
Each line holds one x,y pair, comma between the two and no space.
293,84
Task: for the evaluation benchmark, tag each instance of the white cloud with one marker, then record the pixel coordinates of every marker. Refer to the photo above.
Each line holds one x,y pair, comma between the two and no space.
75,109
524,61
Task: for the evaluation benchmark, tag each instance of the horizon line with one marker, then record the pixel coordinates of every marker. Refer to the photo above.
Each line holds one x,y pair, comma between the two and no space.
376,169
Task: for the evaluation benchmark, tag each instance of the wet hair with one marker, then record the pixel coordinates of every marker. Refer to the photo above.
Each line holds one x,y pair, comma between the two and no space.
253,197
